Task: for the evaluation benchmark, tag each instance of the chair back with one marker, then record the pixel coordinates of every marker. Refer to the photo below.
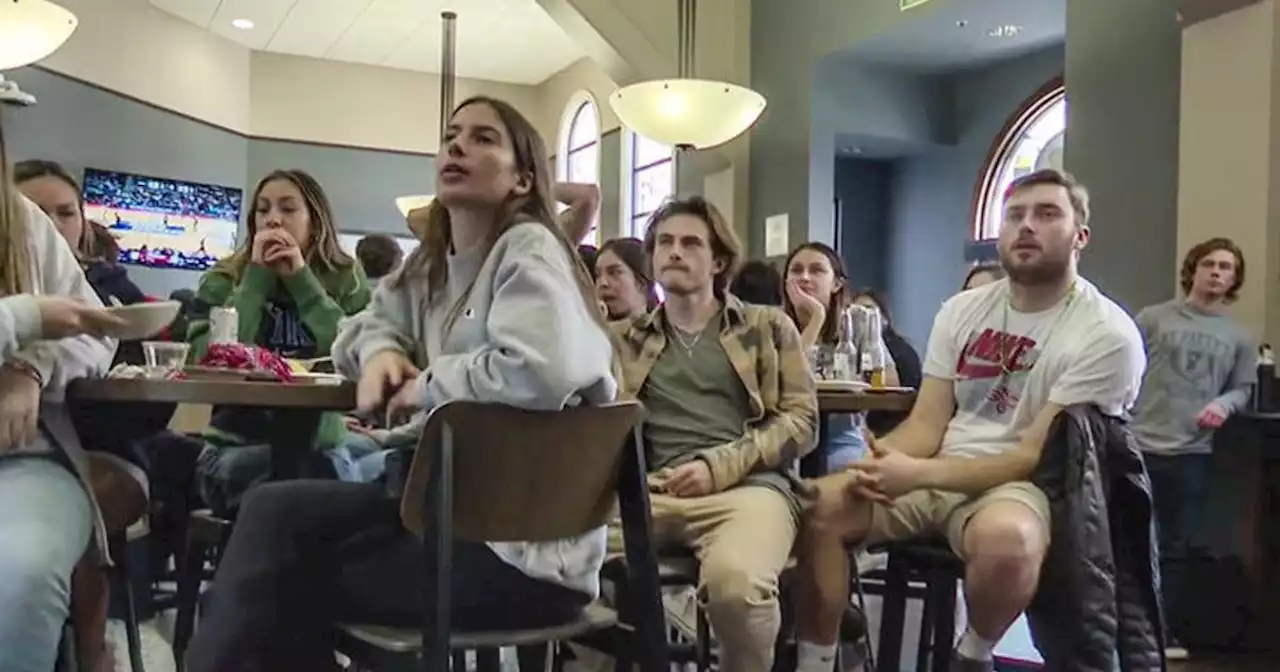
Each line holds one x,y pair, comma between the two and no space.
519,475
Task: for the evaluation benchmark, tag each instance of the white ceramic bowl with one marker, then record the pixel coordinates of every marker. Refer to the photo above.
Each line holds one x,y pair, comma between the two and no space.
144,320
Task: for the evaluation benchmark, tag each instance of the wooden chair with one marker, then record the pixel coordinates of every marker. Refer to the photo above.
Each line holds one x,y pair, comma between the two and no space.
494,473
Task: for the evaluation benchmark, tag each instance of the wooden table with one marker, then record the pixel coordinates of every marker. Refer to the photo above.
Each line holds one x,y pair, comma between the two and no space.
296,407
851,402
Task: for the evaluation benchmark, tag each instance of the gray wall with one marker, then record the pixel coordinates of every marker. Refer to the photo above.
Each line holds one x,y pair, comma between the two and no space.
933,193
1122,141
863,189
80,125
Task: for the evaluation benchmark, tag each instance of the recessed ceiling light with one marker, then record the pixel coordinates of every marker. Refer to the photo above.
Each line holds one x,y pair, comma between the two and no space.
1004,31
962,24
242,24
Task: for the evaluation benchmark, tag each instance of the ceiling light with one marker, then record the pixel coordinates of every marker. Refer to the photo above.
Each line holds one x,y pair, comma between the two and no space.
685,112
242,24
31,30
1004,31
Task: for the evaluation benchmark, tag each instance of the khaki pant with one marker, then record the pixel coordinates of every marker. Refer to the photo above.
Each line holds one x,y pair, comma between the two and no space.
742,538
923,513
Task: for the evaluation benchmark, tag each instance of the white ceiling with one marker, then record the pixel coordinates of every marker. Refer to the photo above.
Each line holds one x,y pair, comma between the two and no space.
501,40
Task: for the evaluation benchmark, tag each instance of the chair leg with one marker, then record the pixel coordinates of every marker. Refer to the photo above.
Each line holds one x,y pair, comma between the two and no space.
459,660
535,657
120,554
893,616
924,644
702,647
488,660
944,620
190,575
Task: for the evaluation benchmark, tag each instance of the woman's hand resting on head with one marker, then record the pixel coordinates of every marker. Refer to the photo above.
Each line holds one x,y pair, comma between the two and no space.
808,309
19,408
382,378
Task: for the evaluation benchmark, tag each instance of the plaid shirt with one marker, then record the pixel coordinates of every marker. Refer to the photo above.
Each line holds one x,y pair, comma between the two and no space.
764,347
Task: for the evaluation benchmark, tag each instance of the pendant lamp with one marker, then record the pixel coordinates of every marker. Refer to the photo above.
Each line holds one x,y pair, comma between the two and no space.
687,113
31,30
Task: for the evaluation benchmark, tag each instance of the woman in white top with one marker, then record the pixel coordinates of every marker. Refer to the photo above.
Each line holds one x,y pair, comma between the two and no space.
495,307
47,517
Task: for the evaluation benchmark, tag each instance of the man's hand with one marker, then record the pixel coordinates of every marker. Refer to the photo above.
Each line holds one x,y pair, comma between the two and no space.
19,408
691,479
1212,416
64,317
888,472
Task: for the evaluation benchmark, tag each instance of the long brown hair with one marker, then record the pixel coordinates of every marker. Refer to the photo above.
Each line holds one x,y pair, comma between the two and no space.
90,247
435,233
15,271
835,304
323,253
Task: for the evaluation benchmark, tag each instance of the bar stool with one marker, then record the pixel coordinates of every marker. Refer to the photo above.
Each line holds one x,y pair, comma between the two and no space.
932,563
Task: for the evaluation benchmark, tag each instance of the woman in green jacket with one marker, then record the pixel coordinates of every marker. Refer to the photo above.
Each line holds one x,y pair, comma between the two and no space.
291,284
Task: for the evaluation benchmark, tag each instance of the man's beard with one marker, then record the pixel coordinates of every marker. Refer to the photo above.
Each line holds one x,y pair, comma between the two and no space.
1048,270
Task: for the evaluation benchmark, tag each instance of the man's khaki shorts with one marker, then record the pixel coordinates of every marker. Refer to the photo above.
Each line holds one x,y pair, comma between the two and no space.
925,513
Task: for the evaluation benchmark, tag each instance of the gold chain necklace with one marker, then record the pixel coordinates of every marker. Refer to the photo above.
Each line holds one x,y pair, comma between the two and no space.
1007,350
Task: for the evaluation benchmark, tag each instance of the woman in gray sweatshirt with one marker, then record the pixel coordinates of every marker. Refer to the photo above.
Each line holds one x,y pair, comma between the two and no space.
493,307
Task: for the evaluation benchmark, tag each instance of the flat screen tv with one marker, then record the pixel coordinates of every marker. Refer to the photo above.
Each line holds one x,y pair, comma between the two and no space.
162,222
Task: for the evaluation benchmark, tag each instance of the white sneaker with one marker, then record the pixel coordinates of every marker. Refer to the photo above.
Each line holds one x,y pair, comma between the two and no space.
1176,653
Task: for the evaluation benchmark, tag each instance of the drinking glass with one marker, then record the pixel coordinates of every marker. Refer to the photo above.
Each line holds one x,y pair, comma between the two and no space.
164,358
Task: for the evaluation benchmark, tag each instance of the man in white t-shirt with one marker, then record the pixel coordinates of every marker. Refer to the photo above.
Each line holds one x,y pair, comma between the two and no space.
1003,360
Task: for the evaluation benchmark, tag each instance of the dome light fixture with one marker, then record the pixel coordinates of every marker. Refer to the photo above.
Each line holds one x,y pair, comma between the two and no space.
685,112
30,30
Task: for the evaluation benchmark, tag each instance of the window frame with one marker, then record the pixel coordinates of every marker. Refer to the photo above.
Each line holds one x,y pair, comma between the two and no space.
580,103
634,222
987,188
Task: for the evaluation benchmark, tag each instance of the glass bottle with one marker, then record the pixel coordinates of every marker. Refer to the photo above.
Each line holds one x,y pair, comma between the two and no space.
845,357
874,358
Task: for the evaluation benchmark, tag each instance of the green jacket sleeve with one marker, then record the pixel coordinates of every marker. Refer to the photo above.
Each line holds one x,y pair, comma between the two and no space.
218,288
322,310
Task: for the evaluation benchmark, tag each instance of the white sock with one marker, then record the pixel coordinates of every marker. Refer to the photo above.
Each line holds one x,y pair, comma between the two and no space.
974,647
812,657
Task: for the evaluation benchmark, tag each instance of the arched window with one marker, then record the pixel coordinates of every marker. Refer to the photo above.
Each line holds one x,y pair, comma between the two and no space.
579,159
650,166
1033,139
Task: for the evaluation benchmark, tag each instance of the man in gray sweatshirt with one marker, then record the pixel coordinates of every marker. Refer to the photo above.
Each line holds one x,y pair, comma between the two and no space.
1200,367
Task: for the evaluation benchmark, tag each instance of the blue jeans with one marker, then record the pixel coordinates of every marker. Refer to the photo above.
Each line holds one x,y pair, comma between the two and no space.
359,459
844,441
46,522
1179,486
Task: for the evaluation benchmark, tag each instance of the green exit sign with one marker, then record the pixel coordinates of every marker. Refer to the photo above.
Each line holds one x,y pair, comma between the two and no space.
904,5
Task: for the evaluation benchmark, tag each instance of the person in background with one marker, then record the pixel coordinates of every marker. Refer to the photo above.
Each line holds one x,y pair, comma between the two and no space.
624,283
961,464
982,274
731,406
48,517
291,284
58,194
1201,365
379,255
815,297
588,254
494,307
905,358
582,204
758,282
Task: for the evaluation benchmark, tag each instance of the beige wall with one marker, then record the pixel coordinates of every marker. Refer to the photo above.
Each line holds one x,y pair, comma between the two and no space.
181,67
298,98
1229,146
